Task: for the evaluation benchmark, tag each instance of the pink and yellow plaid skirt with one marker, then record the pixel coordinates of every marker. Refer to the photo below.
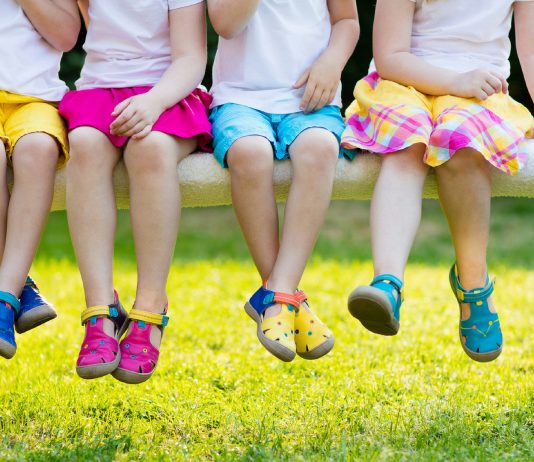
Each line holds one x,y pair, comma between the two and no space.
387,117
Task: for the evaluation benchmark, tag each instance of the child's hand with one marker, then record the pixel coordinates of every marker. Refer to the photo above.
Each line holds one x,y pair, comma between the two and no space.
322,81
479,84
136,116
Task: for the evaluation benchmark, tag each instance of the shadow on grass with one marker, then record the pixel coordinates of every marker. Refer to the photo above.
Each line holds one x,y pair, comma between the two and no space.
213,234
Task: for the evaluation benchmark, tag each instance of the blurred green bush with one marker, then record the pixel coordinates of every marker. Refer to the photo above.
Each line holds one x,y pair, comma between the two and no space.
356,68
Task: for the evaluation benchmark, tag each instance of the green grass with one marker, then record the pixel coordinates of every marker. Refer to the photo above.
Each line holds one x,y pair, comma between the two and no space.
217,395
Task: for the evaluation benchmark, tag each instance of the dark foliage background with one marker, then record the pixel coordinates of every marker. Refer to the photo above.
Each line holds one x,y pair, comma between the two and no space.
356,68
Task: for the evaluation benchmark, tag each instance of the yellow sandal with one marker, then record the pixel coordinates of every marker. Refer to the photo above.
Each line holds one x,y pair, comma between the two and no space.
313,339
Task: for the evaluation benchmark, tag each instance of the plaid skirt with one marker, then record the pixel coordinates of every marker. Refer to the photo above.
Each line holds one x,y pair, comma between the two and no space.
387,117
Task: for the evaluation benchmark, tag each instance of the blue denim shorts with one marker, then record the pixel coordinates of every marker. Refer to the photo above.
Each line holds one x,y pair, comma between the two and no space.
233,121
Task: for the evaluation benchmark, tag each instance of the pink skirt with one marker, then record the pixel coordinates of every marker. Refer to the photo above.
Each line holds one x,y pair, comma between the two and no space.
93,108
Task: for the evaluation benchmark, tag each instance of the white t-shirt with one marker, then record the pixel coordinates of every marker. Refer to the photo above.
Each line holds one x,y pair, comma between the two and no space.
258,67
463,35
128,42
29,65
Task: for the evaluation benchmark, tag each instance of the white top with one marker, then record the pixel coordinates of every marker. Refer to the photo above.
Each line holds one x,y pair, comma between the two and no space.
258,67
29,65
128,42
463,35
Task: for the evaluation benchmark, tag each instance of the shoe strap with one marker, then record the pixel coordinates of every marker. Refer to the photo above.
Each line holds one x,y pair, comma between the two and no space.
393,281
474,295
11,300
301,296
148,317
111,312
264,298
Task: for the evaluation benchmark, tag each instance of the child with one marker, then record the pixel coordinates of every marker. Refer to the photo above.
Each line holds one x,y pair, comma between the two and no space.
440,99
137,97
33,35
276,91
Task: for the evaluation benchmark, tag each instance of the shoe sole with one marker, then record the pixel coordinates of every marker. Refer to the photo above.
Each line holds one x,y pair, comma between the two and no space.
7,350
34,318
272,346
96,371
129,377
319,351
372,308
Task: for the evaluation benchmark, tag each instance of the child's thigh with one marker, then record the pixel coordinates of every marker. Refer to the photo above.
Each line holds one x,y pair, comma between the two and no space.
37,128
233,122
317,132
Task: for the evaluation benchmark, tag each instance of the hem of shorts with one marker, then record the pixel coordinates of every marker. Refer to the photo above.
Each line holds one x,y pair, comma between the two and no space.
484,153
204,139
385,151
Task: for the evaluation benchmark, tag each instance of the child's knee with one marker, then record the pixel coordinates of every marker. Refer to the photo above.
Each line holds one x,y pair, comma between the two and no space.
87,151
315,150
150,155
35,152
250,157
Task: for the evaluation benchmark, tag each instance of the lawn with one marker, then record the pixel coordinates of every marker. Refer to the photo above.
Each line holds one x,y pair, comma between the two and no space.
218,395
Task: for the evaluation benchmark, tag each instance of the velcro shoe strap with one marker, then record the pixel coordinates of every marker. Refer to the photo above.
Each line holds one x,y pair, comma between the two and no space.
393,281
99,310
11,300
287,299
301,296
476,295
150,318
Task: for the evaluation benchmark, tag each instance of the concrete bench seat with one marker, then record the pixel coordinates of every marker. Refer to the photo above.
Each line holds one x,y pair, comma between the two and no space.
204,183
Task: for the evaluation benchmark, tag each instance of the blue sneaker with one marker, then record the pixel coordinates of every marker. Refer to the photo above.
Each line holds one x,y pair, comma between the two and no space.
34,308
9,307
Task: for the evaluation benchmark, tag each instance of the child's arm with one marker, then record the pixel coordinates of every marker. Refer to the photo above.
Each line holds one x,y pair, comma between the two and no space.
58,21
137,115
391,48
323,76
230,17
524,20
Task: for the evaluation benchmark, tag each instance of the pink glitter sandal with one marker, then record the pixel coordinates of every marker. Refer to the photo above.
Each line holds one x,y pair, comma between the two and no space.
100,354
138,356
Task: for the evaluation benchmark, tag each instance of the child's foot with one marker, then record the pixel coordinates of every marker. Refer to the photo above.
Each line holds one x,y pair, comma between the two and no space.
274,313
480,329
377,306
312,338
9,306
140,347
34,308
104,326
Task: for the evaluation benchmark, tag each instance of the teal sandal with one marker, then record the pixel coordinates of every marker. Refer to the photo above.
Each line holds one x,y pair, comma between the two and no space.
481,334
375,305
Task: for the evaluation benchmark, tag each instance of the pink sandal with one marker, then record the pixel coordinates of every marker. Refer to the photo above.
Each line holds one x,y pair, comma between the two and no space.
100,354
138,356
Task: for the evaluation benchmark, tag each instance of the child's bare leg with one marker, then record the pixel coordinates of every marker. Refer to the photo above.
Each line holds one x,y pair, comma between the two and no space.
314,156
396,209
4,198
34,157
155,212
92,212
251,164
465,192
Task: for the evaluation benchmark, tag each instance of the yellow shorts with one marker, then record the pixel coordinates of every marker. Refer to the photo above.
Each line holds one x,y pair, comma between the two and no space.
22,115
